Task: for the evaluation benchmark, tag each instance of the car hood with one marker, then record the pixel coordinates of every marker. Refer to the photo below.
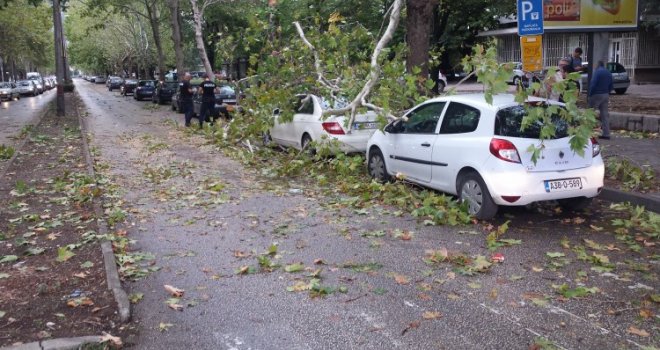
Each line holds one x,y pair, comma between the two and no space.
5,89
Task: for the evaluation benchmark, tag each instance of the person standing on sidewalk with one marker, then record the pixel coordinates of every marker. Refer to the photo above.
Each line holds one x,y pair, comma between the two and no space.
599,96
208,100
576,60
185,97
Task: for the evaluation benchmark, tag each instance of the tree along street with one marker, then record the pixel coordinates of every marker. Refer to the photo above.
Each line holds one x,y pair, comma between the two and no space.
271,263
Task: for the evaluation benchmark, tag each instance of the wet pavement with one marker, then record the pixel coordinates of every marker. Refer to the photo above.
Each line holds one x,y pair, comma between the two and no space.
15,115
205,217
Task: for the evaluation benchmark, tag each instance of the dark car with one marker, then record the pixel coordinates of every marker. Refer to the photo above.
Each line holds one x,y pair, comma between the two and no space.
176,106
144,89
225,102
164,91
114,83
128,87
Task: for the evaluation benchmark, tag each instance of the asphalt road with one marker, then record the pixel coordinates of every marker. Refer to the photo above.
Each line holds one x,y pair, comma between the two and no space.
202,233
15,115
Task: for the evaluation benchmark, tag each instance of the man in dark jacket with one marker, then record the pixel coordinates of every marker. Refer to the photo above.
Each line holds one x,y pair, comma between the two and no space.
599,96
185,98
206,110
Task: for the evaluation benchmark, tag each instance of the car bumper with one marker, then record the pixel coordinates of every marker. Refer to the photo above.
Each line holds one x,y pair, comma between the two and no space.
144,93
530,186
349,143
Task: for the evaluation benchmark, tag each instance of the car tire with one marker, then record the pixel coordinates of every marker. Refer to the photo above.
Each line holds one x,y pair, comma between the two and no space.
376,166
266,139
473,190
441,87
575,204
621,91
305,144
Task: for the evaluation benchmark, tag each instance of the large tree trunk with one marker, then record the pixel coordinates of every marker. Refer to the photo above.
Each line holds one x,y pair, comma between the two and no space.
199,38
175,21
418,33
152,13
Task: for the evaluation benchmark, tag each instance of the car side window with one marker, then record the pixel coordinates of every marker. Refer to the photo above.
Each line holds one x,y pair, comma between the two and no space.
424,119
459,119
306,106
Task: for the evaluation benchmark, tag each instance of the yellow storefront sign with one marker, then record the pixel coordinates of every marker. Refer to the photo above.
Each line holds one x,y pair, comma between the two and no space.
589,14
532,52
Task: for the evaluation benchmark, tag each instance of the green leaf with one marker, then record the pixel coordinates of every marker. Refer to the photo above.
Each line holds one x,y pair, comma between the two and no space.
8,258
2,314
64,254
87,265
135,298
297,267
555,254
34,251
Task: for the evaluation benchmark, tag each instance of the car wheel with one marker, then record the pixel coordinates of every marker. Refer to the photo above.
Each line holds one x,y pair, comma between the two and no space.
620,91
575,204
473,192
305,143
376,166
266,139
441,86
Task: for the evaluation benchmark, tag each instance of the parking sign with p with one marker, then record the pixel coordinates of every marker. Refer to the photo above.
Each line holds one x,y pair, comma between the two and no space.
530,17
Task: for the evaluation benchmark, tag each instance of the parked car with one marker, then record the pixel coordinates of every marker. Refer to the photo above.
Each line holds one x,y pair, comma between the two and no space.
225,102
128,87
309,125
175,99
100,80
144,89
92,79
620,78
441,82
164,91
464,146
517,75
114,83
27,87
39,83
9,91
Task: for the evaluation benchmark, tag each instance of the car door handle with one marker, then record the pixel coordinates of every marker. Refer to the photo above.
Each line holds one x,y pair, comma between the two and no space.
426,144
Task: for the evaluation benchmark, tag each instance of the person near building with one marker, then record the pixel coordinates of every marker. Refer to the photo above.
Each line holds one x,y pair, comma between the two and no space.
208,100
185,97
599,96
552,82
576,60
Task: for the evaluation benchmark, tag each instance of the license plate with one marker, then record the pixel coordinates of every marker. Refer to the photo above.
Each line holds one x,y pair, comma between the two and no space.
563,185
229,101
367,125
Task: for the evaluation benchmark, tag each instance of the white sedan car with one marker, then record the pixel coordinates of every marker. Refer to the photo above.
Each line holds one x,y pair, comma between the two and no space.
463,146
308,125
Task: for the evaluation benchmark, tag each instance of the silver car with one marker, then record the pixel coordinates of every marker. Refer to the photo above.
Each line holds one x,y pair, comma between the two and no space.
8,91
620,78
27,87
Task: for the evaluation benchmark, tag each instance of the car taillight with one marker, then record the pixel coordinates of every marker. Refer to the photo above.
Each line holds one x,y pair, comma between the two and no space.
504,150
595,147
333,128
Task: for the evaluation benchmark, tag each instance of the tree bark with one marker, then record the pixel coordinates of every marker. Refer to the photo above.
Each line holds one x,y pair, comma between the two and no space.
59,59
418,33
198,15
152,13
175,21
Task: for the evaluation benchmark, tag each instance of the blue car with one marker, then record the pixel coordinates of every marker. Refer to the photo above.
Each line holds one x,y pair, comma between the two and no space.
144,89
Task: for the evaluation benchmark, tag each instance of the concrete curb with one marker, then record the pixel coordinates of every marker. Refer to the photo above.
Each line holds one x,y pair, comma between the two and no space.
57,344
111,272
615,195
635,122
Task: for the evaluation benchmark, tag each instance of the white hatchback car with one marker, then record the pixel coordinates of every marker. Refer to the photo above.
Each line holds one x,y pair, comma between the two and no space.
463,146
308,125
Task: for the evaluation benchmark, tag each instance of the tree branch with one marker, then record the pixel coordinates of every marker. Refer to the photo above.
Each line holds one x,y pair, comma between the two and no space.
317,61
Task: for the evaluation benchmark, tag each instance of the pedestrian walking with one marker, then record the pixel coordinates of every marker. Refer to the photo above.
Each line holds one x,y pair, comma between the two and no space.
206,112
599,96
185,97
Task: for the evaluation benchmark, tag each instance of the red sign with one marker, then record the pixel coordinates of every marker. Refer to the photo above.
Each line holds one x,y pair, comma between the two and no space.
561,10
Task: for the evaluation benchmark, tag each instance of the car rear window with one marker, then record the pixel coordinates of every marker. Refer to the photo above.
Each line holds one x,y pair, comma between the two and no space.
147,83
508,122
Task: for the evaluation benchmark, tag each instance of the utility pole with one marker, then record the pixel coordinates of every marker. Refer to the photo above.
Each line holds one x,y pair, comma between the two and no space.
59,57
